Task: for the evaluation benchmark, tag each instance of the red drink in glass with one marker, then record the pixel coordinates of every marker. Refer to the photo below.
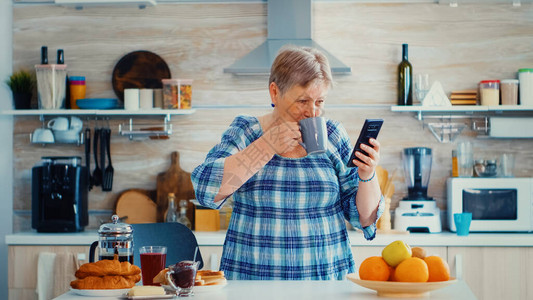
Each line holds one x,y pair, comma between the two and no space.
152,262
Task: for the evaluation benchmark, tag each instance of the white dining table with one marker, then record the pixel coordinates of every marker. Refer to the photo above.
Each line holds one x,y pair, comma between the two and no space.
273,290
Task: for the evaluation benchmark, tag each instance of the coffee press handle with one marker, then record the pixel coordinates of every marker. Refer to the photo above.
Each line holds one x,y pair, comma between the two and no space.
92,250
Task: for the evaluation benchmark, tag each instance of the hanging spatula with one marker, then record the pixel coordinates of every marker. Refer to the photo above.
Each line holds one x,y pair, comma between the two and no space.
97,173
107,181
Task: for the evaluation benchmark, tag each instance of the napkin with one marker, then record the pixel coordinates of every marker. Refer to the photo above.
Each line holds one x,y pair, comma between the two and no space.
436,96
45,280
65,266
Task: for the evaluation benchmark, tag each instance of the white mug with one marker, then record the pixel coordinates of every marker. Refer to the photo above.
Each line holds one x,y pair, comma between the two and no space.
42,135
75,123
59,123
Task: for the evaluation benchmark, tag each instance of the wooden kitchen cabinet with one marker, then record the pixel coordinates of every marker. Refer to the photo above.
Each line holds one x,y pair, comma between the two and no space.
495,272
22,267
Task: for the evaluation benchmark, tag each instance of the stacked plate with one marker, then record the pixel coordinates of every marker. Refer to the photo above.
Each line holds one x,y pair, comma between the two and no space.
464,97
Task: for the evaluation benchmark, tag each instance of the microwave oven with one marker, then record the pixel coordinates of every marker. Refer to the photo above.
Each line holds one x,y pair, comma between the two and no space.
496,204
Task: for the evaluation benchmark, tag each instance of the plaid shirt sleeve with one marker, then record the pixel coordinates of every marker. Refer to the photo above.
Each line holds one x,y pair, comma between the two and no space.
349,179
207,177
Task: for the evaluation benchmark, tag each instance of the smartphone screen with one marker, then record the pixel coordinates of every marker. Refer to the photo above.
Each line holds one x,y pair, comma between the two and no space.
370,130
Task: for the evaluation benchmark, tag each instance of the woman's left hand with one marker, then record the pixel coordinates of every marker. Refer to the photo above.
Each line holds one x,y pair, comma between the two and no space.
370,162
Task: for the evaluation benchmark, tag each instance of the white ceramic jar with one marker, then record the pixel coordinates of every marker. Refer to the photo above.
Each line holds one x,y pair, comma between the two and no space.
526,86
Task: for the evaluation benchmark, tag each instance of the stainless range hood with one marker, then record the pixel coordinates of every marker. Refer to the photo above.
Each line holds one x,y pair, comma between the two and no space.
288,22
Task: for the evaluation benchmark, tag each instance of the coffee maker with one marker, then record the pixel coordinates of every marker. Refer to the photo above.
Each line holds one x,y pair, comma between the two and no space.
417,212
59,195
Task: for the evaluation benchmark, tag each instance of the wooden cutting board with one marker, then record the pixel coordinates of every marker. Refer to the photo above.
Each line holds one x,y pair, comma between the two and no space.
139,69
137,205
176,181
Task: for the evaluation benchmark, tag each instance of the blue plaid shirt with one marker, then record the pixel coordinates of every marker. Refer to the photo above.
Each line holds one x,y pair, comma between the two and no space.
288,220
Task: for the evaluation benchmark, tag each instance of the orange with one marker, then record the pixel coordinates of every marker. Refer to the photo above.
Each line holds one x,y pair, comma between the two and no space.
438,268
412,269
374,268
392,277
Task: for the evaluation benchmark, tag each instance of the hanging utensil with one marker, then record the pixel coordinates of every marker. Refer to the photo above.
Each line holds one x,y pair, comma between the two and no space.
88,157
102,154
107,183
97,173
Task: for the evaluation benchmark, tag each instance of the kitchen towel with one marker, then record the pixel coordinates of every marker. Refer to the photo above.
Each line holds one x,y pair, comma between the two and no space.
436,96
45,280
65,266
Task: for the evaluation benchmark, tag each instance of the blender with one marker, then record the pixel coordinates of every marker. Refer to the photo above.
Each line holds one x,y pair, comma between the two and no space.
417,212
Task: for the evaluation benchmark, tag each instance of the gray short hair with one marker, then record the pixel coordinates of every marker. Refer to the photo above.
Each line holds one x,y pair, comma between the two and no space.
299,66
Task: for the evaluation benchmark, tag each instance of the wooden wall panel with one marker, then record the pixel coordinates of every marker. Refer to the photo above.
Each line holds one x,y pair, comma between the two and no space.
457,46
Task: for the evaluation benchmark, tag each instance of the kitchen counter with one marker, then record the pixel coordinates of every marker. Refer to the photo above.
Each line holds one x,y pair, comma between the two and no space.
268,290
448,239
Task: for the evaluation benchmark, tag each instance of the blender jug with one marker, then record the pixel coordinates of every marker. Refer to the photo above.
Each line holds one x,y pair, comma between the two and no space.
114,238
417,168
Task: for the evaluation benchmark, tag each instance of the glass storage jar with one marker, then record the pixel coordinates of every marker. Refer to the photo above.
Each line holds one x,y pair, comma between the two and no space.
526,86
490,92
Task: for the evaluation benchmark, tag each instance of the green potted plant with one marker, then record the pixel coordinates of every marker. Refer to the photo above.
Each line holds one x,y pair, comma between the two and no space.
21,84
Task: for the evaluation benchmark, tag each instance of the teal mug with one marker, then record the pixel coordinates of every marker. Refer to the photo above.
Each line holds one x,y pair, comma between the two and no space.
462,223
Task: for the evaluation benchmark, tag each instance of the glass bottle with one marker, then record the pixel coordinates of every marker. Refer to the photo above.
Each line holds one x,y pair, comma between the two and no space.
455,165
405,75
183,214
171,215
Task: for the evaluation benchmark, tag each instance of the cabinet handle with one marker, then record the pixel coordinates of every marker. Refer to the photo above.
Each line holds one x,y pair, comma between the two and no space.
459,266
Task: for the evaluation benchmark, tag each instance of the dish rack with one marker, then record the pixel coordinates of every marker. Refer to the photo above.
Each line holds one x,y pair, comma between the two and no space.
153,131
78,142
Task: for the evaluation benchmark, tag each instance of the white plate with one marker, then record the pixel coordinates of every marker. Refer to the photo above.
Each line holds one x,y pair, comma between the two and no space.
100,293
400,289
208,288
149,297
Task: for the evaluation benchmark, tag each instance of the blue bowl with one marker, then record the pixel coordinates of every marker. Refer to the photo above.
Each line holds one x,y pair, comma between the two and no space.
97,103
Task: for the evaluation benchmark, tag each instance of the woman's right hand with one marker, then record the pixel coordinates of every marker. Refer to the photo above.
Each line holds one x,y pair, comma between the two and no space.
283,136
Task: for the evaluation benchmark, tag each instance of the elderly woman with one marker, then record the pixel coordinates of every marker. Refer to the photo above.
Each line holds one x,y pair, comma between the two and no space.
290,208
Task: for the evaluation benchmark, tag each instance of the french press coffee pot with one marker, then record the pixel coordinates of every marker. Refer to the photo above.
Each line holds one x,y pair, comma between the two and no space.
114,238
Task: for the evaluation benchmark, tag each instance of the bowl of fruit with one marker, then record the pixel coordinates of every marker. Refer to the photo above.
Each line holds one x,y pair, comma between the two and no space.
402,271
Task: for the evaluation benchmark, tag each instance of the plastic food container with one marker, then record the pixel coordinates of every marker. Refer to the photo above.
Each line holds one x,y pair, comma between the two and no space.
509,91
526,86
490,92
177,93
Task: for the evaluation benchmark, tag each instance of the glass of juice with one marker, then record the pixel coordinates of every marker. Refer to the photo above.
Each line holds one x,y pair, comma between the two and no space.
153,260
181,277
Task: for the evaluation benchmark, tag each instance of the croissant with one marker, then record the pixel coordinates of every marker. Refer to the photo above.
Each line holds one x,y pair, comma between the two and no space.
107,267
105,282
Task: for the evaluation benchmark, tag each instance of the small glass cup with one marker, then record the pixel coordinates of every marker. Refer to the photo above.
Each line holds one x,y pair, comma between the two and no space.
421,86
181,277
465,159
507,165
153,260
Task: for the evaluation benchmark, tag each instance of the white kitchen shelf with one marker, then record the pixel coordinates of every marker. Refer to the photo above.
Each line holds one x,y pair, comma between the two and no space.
97,112
446,116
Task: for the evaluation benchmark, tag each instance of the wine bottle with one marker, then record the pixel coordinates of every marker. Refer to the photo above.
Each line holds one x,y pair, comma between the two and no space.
405,84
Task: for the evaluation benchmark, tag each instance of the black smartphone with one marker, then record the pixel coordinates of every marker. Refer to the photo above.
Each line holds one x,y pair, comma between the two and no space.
370,130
